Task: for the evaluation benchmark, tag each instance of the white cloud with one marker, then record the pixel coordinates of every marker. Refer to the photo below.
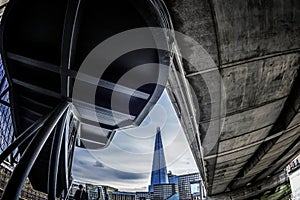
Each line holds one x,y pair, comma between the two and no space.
126,163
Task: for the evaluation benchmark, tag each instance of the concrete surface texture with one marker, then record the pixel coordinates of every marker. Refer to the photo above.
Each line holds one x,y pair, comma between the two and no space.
256,47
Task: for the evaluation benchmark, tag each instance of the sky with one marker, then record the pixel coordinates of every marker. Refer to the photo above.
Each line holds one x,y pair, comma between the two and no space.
127,162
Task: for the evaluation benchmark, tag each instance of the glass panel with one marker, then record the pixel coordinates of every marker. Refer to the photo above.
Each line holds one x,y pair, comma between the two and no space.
6,128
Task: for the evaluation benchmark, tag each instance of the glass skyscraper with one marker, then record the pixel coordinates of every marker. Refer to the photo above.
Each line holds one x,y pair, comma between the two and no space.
159,173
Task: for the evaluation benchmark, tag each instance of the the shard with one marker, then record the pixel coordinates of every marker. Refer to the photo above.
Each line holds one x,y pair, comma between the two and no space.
159,170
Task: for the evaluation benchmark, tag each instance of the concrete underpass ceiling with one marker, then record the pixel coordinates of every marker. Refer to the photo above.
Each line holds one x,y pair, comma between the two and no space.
256,50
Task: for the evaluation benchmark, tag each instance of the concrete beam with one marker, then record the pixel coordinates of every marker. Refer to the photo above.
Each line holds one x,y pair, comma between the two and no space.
254,189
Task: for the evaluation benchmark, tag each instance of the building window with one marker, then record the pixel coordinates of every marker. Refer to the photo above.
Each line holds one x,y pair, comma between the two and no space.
6,128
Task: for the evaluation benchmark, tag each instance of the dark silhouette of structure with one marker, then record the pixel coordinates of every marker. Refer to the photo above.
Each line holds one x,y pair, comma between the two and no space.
42,48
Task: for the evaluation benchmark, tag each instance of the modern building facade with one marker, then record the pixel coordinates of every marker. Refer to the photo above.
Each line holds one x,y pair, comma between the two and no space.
123,196
172,178
142,196
184,185
198,190
159,173
164,191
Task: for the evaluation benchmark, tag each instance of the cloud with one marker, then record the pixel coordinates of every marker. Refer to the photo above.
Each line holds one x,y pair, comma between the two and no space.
126,163
129,175
99,174
79,162
98,164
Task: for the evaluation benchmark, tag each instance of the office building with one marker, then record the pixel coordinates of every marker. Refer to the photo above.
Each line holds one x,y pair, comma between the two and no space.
164,191
142,196
159,170
184,185
123,196
172,178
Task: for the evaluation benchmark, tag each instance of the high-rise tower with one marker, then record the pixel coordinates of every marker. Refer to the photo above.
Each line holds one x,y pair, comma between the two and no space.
159,169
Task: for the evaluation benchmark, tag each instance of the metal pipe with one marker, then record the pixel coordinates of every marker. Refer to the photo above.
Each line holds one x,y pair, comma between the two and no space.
63,162
67,156
4,92
16,182
68,191
54,159
2,83
71,156
4,103
27,134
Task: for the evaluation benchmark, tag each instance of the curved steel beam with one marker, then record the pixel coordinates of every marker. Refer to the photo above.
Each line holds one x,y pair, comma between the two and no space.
27,134
54,159
22,170
63,162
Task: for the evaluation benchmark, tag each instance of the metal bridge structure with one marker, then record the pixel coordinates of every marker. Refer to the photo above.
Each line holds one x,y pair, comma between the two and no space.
239,106
43,46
